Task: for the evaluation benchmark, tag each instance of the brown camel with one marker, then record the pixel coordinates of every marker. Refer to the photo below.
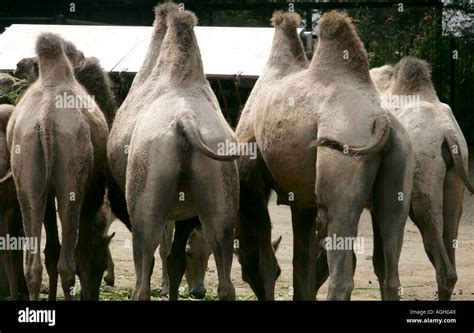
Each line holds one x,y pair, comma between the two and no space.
441,156
334,106
60,153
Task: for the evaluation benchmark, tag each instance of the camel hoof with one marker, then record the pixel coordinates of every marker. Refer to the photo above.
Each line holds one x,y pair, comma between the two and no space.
110,281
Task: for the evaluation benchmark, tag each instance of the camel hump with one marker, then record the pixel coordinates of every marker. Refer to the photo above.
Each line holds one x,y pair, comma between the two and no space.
182,21
335,24
339,47
162,11
180,61
287,54
286,20
49,46
413,72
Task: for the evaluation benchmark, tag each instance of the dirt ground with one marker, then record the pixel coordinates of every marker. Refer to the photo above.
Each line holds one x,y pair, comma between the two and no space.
416,272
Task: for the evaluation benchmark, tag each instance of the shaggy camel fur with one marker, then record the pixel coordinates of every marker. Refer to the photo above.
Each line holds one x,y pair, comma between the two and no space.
333,104
61,155
173,155
441,168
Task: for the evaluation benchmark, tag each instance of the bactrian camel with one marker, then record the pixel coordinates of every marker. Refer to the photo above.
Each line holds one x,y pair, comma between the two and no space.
330,148
441,161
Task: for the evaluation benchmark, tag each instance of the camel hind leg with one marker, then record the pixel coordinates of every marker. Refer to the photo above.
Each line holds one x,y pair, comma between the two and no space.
52,248
176,261
452,212
165,249
33,212
13,260
391,204
304,260
378,255
149,202
32,195
70,184
215,191
322,269
340,198
148,219
429,222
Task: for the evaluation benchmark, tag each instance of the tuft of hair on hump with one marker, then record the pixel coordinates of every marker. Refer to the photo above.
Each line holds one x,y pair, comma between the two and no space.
286,20
73,54
415,71
333,24
182,21
162,11
49,45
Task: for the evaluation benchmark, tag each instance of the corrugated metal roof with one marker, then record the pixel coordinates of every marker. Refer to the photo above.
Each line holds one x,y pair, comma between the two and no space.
226,51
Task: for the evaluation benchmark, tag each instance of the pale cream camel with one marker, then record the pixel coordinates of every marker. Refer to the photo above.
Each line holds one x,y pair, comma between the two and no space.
441,155
172,124
57,150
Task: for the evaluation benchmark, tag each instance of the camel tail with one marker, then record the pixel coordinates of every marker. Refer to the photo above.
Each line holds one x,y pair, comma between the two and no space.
7,178
46,135
382,132
457,156
190,128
